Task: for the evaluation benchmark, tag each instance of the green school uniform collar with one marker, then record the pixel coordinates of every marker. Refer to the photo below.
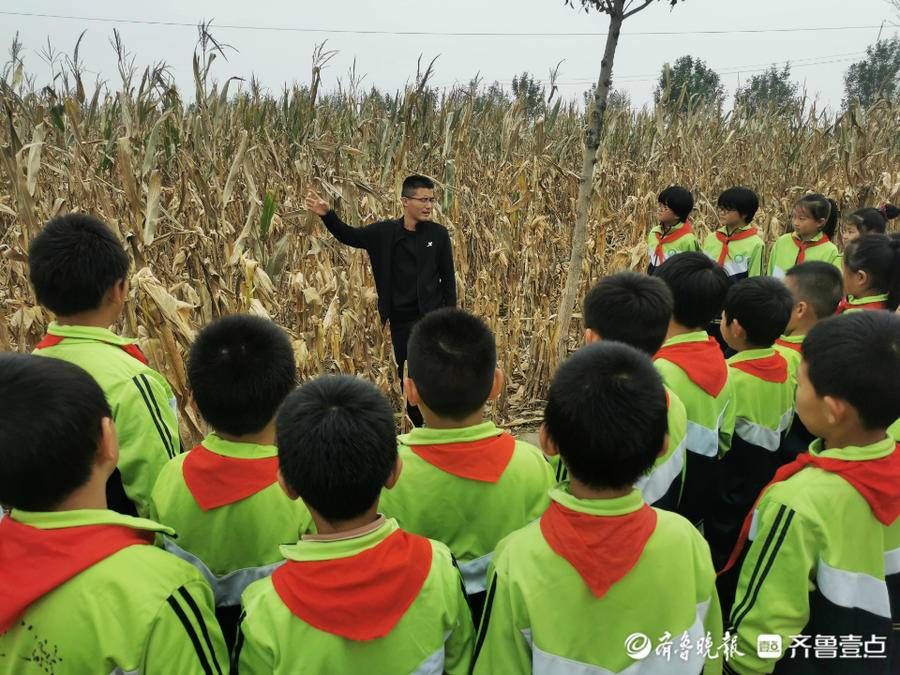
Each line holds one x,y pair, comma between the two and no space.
695,336
866,299
88,333
214,443
429,436
619,506
52,520
307,551
854,452
816,237
751,354
743,228
793,339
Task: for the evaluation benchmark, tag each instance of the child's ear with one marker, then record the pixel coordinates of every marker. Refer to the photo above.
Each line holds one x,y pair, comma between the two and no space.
284,486
548,446
591,336
497,386
800,309
836,409
108,448
411,391
394,476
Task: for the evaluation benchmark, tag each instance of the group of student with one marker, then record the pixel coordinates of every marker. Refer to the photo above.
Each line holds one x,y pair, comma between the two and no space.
675,494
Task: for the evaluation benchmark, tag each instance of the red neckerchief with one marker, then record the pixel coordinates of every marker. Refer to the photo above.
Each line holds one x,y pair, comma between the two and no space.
674,235
361,597
805,245
35,561
876,480
795,346
483,460
728,238
702,362
130,349
215,480
844,305
773,368
602,549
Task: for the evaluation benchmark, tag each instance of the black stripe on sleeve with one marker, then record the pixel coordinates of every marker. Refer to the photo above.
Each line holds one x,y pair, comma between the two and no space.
171,442
738,608
192,634
485,619
238,645
183,592
765,572
154,414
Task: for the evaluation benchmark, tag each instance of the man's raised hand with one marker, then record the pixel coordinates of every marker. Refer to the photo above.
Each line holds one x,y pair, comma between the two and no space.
315,203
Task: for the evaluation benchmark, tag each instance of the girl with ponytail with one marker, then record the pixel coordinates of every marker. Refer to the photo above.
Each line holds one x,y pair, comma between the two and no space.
871,274
814,219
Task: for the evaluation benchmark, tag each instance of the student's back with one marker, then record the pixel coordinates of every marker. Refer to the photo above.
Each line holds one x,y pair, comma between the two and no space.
87,298
84,590
600,556
223,498
465,482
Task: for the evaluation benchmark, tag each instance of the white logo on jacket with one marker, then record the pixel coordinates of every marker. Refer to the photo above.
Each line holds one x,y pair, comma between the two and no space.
430,243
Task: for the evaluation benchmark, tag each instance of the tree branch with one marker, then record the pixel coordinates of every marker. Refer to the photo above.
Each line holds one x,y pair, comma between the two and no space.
631,12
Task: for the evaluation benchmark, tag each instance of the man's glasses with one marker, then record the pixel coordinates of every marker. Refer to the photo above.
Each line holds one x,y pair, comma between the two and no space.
424,200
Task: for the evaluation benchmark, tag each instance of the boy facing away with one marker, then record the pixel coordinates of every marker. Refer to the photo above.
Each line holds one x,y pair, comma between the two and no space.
692,365
84,590
636,309
362,595
222,497
756,312
825,553
465,482
569,593
79,271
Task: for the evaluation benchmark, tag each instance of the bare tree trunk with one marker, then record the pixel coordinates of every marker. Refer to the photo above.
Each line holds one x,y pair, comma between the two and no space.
585,187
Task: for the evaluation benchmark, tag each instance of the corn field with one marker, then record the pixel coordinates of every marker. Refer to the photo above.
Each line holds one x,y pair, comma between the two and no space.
206,190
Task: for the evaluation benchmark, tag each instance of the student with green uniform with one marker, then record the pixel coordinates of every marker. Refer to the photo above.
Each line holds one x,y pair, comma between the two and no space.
673,234
222,497
692,365
84,590
571,592
814,220
636,309
361,595
756,312
871,274
465,482
79,271
825,553
736,245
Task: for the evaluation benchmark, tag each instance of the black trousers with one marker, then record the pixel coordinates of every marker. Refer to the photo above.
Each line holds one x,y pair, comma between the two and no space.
400,331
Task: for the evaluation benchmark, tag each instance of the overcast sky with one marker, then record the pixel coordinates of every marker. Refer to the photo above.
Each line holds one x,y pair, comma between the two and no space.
389,61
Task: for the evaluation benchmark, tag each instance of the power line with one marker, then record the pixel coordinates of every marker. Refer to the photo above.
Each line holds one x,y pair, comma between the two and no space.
296,29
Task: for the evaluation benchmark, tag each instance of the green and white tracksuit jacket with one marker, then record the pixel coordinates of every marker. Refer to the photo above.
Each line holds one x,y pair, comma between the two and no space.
662,245
790,250
142,402
740,254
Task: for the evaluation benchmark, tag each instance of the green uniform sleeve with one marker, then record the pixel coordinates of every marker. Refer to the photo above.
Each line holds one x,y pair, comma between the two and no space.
756,261
726,429
500,646
458,645
773,587
185,637
147,429
252,652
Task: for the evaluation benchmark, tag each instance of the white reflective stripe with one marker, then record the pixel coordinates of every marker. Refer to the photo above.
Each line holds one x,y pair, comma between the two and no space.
655,484
119,671
433,665
702,441
474,573
227,588
770,439
778,273
653,259
853,590
892,562
754,525
544,663
737,267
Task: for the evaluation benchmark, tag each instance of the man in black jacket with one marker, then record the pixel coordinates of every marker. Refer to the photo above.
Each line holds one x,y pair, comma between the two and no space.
412,262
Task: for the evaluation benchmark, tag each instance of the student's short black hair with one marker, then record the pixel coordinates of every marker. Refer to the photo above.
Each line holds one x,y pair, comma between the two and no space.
451,356
698,287
240,369
73,261
50,414
606,412
820,284
414,182
336,444
631,308
878,255
856,357
679,199
762,305
740,199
